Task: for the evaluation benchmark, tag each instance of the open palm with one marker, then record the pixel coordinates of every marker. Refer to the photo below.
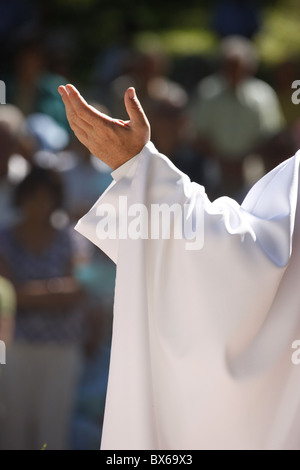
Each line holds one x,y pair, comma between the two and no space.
111,140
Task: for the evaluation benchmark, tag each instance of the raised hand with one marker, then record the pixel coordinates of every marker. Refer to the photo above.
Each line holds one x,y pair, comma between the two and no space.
111,140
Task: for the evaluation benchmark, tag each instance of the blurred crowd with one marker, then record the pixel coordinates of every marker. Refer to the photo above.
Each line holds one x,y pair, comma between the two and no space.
56,289
225,130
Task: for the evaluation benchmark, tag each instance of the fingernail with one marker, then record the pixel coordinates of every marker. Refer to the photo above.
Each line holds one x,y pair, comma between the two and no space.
131,93
61,90
71,89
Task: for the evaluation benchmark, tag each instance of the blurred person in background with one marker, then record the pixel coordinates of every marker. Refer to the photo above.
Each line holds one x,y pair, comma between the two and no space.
7,323
44,362
235,114
147,71
7,310
96,273
6,186
28,66
16,148
40,64
56,150
10,147
171,132
59,49
113,60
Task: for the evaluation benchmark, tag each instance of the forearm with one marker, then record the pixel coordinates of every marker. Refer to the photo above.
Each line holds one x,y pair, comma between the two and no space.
7,325
54,294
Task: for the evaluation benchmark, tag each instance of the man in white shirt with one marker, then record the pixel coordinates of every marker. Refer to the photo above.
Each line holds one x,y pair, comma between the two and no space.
235,114
203,334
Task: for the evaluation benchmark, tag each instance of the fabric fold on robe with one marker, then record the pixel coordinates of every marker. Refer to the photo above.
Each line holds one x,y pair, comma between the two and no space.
202,340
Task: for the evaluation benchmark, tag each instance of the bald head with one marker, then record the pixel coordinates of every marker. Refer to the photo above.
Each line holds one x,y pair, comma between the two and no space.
239,59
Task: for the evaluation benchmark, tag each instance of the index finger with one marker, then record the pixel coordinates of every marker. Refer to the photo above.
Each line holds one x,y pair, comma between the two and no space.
76,113
83,109
75,106
65,97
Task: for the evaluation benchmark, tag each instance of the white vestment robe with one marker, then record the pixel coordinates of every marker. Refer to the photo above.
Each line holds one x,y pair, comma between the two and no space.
203,336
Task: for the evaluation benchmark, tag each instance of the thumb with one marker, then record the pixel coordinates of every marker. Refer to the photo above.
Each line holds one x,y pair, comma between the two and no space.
134,109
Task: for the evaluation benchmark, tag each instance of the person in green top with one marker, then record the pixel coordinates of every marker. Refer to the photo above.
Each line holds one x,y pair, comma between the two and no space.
7,310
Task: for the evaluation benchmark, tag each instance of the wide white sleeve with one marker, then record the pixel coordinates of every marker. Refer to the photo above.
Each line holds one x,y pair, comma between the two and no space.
148,178
267,214
87,225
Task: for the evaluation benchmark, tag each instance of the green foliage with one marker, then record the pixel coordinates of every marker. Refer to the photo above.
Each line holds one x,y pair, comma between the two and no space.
178,42
279,37
179,28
